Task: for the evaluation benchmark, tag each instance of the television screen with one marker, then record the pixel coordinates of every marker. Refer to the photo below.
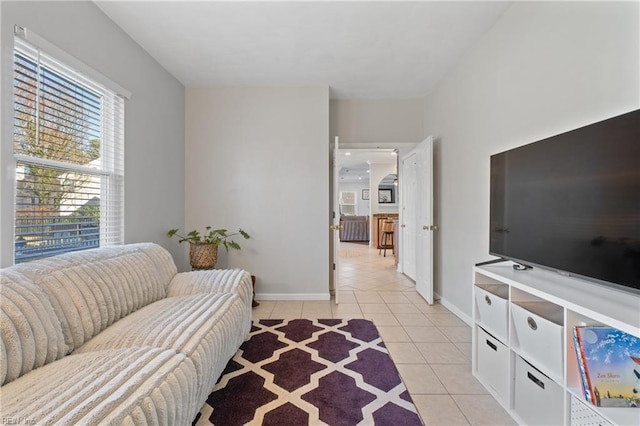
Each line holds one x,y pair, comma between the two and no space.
571,202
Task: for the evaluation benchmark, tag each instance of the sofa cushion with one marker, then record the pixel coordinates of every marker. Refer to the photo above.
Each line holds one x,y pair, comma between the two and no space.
31,335
124,386
234,281
91,289
208,328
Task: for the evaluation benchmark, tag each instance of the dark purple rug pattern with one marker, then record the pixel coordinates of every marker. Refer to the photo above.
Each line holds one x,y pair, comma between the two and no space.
310,372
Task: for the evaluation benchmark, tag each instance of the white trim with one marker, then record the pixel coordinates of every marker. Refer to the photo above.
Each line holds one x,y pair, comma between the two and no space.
293,296
110,168
455,310
39,161
377,145
69,60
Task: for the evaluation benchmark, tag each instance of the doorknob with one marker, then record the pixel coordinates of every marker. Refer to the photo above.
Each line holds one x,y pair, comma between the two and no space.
403,225
425,227
434,228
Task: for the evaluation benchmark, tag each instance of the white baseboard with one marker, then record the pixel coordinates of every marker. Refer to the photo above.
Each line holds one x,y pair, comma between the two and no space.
454,309
294,296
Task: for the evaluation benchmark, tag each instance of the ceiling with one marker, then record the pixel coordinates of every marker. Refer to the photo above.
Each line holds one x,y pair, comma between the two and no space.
361,50
354,163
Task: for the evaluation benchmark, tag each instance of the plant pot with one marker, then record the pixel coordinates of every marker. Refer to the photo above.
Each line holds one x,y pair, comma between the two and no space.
203,256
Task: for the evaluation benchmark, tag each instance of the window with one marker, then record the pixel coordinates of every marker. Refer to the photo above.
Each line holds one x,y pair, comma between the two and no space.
68,145
348,203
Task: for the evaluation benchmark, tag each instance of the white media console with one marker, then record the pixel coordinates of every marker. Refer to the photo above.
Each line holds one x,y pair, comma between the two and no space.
523,350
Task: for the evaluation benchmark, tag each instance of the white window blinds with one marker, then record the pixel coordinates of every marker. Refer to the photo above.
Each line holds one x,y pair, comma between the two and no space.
68,145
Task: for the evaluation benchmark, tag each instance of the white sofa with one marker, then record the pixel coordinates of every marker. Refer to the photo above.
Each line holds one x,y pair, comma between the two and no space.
116,336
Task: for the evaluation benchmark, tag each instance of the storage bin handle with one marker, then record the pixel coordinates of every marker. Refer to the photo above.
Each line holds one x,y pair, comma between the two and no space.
487,299
532,323
492,345
535,380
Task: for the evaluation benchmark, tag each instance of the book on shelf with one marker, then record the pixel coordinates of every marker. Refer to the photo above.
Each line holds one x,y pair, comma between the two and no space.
583,374
609,363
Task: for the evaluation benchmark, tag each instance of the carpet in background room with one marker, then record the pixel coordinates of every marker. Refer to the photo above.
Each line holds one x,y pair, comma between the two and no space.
310,372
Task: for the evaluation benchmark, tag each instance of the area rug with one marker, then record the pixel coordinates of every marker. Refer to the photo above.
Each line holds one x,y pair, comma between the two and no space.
310,372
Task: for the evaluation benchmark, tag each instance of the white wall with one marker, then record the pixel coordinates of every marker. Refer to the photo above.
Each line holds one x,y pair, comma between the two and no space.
377,120
362,206
544,68
154,116
258,158
378,172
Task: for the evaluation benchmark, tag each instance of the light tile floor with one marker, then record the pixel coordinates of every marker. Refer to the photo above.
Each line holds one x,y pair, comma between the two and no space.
430,346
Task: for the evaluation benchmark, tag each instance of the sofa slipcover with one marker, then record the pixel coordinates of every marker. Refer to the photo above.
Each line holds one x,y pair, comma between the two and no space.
30,334
205,327
354,228
126,386
116,336
91,289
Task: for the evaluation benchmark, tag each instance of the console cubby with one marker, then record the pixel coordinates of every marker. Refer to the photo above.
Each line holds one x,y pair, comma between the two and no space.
533,371
574,381
492,308
492,356
537,399
537,335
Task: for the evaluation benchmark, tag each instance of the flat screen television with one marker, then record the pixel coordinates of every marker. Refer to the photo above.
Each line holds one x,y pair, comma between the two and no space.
571,203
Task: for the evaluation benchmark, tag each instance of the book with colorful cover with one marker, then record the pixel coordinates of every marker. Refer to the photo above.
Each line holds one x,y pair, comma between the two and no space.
611,365
580,357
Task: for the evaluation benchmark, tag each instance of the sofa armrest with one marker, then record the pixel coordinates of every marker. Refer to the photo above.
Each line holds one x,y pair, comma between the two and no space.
235,281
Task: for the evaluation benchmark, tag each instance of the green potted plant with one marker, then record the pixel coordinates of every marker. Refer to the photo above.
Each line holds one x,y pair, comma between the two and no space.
203,248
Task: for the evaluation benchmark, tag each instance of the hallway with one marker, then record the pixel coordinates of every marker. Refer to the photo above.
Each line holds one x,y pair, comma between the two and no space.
363,269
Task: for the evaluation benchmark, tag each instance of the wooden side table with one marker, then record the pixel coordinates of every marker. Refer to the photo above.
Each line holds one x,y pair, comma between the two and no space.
253,285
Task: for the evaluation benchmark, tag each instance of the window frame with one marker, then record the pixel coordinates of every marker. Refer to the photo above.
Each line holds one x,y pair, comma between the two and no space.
110,171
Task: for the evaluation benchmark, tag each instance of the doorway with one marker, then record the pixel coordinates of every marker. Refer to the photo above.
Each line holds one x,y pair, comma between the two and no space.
371,174
421,226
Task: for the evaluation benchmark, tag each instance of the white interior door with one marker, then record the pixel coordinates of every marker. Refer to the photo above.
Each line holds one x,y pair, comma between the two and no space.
408,219
424,214
335,227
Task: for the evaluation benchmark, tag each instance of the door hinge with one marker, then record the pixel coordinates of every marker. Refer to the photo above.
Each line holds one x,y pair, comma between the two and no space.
334,266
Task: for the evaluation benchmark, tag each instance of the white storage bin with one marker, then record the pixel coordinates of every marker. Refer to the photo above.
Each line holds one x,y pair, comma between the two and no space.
538,334
492,309
493,359
538,400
